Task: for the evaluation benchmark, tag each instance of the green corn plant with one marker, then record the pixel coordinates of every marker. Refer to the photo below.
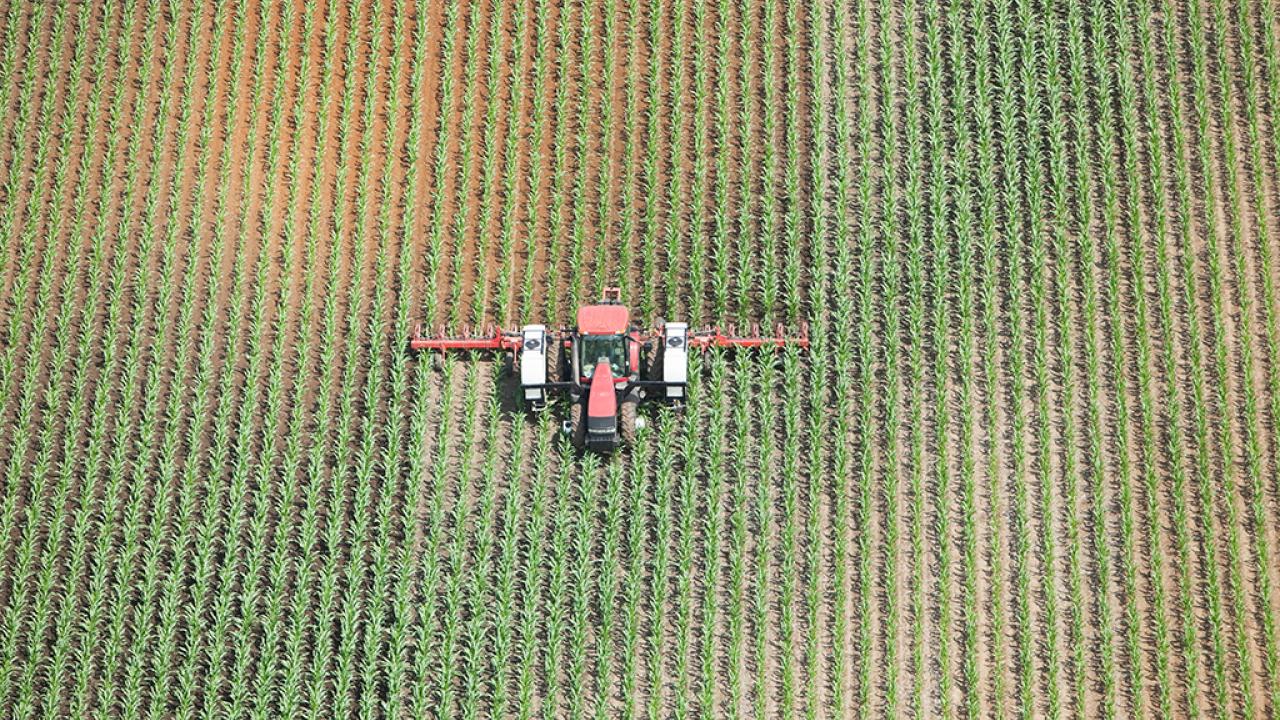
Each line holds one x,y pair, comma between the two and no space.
491,151
842,322
210,529
332,606
265,390
578,220
673,226
440,163
889,477
8,54
650,185
712,532
398,654
535,174
30,77
684,557
467,131
865,427
918,176
1224,439
634,585
763,502
503,293
736,608
448,665
430,567
42,162
1088,258
558,181
290,690
602,212
721,181
94,455
555,620
959,188
696,256
582,577
769,226
990,115
1267,301
1064,204
475,641
787,532
609,585
532,575
149,404
745,120
1131,127
794,224
627,172
1254,422
52,391
26,407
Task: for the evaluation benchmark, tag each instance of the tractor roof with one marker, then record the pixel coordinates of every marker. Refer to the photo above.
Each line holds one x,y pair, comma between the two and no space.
603,319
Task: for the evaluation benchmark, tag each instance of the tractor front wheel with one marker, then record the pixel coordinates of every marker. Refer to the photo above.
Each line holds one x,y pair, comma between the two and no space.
578,423
627,417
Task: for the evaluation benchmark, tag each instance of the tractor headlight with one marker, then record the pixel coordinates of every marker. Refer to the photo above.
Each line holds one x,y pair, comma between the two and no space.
588,371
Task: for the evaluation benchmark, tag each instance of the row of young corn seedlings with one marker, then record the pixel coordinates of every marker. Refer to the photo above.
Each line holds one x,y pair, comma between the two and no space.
582,144
649,223
67,54
991,143
22,115
1252,420
496,84
98,466
721,219
30,390
865,427
1022,184
504,293
1221,497
960,188
22,440
835,189
1249,96
535,176
605,181
147,585
467,131
698,148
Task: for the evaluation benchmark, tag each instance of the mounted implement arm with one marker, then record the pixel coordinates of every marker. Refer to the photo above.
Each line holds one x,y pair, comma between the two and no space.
487,339
713,337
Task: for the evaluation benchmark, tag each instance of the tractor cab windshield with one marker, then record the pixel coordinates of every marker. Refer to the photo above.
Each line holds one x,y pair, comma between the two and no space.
610,348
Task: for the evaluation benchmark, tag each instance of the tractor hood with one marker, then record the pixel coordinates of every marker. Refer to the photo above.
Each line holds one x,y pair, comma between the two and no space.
602,401
603,319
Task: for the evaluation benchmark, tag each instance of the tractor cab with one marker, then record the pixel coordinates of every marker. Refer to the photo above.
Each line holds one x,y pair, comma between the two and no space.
605,338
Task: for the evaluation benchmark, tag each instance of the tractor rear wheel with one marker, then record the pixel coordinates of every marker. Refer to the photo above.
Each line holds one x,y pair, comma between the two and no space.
578,423
627,420
653,360
555,359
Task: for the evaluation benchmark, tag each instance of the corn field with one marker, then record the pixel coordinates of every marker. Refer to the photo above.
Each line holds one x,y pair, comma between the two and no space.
1029,467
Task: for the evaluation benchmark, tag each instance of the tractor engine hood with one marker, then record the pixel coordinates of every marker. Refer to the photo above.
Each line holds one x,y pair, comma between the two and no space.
602,406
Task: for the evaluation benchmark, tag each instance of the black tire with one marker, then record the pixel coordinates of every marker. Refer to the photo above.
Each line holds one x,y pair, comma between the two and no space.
555,359
627,420
578,423
652,369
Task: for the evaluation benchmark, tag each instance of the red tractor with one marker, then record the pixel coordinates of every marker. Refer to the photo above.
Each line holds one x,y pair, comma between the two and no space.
607,365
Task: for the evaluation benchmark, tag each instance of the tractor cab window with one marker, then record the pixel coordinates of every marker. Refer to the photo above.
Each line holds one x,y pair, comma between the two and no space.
611,348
